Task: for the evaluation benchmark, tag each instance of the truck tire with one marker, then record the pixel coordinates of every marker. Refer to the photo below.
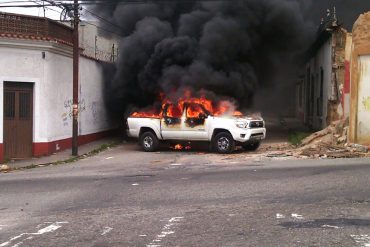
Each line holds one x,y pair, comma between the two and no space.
223,143
149,141
251,146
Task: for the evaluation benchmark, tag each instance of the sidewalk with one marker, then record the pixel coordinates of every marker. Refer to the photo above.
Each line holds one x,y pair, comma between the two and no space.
63,155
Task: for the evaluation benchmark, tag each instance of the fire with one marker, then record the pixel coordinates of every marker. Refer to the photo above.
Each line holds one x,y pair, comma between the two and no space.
178,147
181,147
194,110
148,114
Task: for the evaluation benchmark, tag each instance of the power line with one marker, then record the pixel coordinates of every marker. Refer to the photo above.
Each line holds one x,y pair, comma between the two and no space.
104,29
109,2
101,18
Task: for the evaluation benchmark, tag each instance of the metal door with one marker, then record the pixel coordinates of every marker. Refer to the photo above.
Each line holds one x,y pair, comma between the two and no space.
18,120
363,114
196,123
171,122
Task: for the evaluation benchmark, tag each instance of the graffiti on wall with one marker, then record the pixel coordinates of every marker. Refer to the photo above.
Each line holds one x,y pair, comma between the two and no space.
95,111
366,103
68,110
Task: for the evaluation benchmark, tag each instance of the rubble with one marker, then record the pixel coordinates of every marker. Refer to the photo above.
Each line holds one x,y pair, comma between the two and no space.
4,168
331,143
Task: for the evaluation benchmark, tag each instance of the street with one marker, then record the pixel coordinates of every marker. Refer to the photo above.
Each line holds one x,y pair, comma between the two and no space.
125,197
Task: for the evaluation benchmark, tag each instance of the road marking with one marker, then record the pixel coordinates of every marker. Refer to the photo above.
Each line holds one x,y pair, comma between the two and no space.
135,184
363,240
297,216
329,226
108,158
50,228
280,216
107,229
142,235
166,230
176,164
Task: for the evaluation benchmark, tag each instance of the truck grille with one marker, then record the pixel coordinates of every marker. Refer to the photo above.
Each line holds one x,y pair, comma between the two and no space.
256,124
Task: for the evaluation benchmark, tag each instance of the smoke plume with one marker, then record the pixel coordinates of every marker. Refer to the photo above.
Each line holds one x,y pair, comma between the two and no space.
228,49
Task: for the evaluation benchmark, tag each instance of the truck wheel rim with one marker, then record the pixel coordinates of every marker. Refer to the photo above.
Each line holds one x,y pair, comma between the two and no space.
223,143
148,142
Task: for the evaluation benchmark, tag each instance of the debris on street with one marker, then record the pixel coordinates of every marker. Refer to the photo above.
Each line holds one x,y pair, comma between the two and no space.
4,168
331,143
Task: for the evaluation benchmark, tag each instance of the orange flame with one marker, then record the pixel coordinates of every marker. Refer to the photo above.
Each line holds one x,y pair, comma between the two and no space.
194,110
181,147
178,147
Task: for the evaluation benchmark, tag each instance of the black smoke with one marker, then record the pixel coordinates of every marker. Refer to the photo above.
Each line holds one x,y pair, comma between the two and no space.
228,49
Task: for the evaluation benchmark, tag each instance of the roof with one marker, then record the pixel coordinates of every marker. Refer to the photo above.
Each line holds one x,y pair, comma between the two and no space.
35,28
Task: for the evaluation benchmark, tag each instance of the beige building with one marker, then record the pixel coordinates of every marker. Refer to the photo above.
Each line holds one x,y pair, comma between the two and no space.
360,82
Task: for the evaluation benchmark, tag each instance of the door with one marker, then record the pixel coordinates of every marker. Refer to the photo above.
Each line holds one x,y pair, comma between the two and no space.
171,122
18,120
363,114
196,120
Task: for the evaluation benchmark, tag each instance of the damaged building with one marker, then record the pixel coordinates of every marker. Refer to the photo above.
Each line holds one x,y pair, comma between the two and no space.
323,88
36,86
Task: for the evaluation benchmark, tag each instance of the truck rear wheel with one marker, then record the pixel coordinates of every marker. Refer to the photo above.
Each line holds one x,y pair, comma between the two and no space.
149,141
223,143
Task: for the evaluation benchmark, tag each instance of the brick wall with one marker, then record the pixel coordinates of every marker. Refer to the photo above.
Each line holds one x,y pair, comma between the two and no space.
361,30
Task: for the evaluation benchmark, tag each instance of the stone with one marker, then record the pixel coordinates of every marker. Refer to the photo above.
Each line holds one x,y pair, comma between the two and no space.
342,139
4,168
360,148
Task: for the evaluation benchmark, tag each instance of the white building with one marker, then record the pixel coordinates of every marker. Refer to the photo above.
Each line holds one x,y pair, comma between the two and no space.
36,89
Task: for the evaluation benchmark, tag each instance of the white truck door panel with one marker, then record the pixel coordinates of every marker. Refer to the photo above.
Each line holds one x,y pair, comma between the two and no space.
195,124
171,123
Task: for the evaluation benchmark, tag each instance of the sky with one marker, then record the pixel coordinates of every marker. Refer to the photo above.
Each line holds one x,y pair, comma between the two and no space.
50,12
348,10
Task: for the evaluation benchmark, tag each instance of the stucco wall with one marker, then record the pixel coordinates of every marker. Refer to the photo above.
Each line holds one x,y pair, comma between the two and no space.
94,44
360,53
321,60
52,78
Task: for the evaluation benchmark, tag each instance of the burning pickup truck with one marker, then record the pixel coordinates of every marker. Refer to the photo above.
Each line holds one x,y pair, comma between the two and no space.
197,120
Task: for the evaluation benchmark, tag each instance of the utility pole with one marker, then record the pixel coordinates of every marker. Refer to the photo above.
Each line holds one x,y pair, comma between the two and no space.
76,56
43,4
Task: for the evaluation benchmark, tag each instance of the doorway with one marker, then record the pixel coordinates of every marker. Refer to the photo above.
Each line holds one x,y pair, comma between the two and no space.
18,120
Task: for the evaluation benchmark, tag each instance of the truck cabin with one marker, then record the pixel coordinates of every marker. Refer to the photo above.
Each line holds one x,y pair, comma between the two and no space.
195,114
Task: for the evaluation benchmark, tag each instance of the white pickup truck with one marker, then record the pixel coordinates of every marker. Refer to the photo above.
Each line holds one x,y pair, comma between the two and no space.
192,123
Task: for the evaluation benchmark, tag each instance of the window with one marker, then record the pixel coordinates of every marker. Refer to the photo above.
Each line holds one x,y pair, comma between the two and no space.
24,106
9,105
194,111
174,111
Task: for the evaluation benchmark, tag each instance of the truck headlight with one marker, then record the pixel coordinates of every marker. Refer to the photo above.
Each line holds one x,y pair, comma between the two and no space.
242,125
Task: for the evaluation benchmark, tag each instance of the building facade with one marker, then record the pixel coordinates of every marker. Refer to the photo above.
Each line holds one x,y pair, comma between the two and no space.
360,82
36,89
323,88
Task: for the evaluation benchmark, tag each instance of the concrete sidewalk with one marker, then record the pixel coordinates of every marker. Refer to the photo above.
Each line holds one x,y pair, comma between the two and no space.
63,155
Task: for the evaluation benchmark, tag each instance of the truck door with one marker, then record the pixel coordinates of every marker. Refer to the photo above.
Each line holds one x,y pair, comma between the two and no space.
196,121
171,122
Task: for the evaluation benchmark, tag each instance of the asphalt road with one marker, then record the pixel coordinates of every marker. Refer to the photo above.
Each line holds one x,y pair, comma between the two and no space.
123,197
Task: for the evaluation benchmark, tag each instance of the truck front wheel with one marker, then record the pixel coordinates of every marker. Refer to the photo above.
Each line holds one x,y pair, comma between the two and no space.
223,143
149,141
